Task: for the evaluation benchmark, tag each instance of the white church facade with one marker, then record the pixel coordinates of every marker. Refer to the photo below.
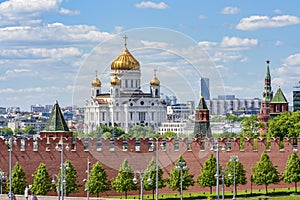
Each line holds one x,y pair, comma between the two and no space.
125,105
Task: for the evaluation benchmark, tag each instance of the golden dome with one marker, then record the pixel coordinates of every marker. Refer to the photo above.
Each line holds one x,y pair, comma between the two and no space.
115,81
125,61
96,82
155,81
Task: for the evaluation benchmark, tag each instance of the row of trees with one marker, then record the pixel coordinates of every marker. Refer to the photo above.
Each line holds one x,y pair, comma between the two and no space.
135,131
42,181
263,173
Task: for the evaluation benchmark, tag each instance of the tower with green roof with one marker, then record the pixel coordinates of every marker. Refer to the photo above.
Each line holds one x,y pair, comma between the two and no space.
56,125
264,112
278,104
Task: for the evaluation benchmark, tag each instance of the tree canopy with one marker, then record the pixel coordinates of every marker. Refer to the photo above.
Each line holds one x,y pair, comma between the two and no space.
239,174
250,126
19,181
71,178
264,172
150,172
123,182
206,177
287,124
41,180
174,178
97,182
141,131
292,170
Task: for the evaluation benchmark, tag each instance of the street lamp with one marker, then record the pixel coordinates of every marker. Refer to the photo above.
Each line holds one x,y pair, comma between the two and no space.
181,166
234,159
215,148
10,144
135,181
3,177
61,179
156,166
58,185
87,180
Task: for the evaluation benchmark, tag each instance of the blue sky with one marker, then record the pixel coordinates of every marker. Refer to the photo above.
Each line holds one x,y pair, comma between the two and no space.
47,46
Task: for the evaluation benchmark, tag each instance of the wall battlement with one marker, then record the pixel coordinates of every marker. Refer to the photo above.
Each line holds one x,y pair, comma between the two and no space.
111,152
144,145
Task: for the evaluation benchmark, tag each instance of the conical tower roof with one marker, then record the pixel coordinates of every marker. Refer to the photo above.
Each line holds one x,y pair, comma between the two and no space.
202,105
56,120
279,97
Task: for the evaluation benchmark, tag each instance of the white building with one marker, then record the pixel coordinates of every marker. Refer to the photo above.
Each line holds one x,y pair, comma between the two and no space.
125,105
223,106
182,129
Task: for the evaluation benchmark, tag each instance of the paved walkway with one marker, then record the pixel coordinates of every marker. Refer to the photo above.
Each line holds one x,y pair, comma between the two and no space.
21,197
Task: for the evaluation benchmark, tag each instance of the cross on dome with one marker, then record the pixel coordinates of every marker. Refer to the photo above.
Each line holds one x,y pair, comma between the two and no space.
125,41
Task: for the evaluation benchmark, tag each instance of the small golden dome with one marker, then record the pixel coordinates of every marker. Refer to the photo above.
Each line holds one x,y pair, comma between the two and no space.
155,81
115,81
96,82
125,61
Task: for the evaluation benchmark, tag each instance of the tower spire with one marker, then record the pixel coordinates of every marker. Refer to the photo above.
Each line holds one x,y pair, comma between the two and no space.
268,69
125,41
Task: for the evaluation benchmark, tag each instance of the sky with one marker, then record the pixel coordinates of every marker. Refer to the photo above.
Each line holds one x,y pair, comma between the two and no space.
51,49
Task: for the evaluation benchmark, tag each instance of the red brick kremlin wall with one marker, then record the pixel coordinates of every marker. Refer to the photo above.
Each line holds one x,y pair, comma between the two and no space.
111,159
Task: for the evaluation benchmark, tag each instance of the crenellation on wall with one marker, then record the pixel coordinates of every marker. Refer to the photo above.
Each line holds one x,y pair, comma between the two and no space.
111,160
231,144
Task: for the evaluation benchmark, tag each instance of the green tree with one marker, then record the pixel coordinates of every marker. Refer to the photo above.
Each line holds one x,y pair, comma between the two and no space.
150,172
287,124
239,174
123,182
19,181
174,178
30,130
169,134
97,182
102,129
70,177
6,131
292,170
250,126
264,172
141,131
41,180
206,177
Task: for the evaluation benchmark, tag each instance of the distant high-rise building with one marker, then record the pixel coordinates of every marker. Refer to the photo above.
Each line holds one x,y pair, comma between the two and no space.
204,88
296,97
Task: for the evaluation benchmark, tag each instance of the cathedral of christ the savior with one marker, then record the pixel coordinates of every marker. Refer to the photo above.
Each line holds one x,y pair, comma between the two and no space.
125,105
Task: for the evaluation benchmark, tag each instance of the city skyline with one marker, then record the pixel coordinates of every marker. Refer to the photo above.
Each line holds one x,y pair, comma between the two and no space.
47,44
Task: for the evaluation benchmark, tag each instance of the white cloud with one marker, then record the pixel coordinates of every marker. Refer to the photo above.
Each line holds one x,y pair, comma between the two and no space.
33,53
55,32
278,43
17,71
293,60
202,17
277,11
16,12
229,49
150,4
118,29
207,44
238,42
24,90
259,22
65,11
230,10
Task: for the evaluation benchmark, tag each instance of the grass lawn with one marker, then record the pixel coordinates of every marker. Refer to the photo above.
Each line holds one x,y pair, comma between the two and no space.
280,193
